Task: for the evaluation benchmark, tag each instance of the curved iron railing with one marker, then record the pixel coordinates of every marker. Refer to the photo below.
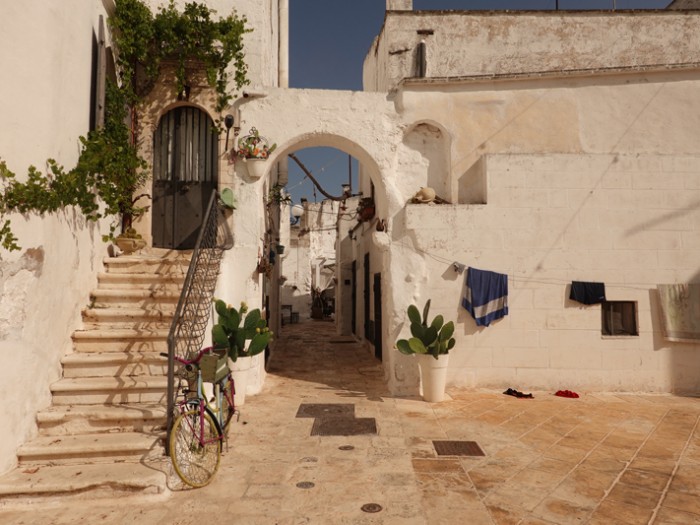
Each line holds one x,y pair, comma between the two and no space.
191,318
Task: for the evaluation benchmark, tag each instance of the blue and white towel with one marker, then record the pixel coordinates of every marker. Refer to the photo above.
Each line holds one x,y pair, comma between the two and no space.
486,296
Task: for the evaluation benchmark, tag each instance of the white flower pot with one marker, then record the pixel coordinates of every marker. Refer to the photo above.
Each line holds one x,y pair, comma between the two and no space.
256,167
433,376
239,372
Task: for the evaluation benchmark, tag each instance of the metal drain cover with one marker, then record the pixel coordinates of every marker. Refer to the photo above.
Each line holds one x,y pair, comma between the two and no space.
344,426
326,409
371,507
458,448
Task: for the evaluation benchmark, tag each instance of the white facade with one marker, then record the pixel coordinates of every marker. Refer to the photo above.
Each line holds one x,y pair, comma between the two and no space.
553,176
46,59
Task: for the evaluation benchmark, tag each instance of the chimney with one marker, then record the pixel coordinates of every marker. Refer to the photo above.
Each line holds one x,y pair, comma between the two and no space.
399,5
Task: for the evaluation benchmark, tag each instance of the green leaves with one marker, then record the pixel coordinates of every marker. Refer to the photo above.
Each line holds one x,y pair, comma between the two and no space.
228,332
434,339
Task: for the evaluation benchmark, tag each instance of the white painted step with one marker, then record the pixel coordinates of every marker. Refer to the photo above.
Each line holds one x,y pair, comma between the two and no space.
82,448
27,486
114,364
108,390
84,419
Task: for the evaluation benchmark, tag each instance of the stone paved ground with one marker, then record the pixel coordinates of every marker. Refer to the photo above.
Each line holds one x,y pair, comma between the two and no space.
601,459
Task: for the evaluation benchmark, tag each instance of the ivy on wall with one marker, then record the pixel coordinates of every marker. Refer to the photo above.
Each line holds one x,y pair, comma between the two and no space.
109,168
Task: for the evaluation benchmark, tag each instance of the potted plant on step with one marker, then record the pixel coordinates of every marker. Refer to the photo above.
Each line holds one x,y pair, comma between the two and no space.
430,344
241,341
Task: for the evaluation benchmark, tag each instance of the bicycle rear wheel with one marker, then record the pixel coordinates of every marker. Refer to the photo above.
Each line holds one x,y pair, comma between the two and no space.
195,447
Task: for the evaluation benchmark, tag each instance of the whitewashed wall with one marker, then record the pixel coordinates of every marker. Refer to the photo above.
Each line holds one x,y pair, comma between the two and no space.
484,43
45,107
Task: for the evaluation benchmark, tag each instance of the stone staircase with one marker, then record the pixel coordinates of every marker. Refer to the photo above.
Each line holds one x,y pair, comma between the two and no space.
109,407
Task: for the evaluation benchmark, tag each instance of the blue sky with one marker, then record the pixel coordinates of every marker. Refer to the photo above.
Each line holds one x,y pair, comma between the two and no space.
330,38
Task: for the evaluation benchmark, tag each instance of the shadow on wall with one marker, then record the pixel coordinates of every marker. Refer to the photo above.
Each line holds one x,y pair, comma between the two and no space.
683,358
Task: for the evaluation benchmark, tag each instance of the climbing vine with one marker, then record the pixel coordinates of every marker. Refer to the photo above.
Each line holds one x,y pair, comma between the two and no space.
109,169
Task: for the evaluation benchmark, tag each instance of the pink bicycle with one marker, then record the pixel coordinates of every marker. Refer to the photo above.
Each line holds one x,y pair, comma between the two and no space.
196,439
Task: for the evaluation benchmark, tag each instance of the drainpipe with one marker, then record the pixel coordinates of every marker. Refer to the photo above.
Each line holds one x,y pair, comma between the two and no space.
283,44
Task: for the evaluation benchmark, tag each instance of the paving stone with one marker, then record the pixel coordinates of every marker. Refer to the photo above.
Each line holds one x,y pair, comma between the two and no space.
542,466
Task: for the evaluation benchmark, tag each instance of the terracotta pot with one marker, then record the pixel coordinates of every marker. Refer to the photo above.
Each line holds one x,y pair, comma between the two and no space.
129,245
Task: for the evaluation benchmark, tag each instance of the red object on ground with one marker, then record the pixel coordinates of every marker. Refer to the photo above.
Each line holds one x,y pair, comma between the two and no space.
566,393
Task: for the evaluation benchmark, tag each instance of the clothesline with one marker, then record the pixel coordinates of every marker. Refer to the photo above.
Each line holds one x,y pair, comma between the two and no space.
516,278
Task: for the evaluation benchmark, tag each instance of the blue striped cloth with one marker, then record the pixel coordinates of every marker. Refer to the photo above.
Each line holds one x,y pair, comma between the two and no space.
486,296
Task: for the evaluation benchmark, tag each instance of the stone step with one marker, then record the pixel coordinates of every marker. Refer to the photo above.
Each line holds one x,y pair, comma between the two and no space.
109,390
121,340
134,298
114,364
29,486
85,419
139,280
105,447
150,264
135,318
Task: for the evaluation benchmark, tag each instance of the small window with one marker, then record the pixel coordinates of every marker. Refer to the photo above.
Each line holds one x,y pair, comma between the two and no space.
619,318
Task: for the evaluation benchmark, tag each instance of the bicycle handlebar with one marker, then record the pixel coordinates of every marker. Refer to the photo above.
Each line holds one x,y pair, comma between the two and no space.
192,361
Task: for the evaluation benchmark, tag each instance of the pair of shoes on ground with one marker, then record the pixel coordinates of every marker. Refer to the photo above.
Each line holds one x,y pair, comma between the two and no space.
566,393
515,393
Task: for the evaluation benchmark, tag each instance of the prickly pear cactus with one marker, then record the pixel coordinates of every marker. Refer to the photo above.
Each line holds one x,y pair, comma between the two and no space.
434,338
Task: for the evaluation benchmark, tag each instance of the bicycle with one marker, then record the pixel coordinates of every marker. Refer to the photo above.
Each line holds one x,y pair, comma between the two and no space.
196,439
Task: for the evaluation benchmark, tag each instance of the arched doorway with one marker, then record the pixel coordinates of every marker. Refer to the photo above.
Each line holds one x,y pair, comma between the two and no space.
185,159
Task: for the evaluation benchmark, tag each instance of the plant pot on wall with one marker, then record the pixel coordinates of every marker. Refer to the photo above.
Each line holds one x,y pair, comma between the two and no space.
433,376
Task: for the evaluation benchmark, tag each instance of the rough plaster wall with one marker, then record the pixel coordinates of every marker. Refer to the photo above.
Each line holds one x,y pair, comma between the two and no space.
631,221
423,159
470,43
45,108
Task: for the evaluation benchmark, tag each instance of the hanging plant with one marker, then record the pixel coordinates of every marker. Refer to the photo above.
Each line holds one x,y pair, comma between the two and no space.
254,146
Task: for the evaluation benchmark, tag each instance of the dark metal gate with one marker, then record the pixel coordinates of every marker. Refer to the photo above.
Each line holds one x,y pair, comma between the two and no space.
378,315
185,153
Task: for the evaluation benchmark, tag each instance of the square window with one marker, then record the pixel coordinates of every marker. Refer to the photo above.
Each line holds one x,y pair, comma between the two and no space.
619,318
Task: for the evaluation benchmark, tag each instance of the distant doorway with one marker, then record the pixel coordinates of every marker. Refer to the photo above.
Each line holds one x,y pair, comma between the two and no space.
185,158
377,289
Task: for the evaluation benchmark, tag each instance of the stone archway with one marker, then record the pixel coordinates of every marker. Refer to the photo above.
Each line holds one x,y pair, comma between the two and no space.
364,125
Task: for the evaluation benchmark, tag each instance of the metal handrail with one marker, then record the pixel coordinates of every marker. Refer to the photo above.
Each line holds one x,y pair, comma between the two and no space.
193,311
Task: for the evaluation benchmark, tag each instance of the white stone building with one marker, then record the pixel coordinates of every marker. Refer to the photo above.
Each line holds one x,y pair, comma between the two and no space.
565,142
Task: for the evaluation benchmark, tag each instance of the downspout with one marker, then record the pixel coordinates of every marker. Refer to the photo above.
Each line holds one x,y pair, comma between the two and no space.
283,44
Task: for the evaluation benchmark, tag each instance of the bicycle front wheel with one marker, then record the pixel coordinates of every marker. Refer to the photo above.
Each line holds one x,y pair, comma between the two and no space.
195,447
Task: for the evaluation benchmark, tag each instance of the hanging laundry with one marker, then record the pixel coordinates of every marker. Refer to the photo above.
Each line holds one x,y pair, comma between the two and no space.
587,293
680,311
486,297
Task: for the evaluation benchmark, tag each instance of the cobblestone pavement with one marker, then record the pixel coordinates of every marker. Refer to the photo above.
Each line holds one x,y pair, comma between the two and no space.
600,459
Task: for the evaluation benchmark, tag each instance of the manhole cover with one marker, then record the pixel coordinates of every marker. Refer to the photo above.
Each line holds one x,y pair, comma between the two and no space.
305,485
371,507
326,409
346,447
458,448
343,426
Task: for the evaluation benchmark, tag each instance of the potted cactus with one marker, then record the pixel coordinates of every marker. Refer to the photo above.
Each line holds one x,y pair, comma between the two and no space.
242,342
431,343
